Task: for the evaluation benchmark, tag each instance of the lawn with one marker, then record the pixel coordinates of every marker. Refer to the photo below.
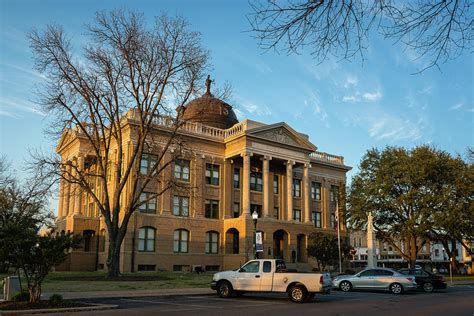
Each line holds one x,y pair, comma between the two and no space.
96,281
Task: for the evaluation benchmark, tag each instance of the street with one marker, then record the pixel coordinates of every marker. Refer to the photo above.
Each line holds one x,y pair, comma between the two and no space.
456,300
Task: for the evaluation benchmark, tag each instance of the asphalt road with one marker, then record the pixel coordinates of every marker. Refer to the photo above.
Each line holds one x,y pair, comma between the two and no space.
456,300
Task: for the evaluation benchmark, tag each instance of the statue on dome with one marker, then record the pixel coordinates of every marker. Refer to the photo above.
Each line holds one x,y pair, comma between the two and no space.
208,84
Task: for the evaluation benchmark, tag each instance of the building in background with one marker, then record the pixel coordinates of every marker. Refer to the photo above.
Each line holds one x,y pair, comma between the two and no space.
231,169
431,257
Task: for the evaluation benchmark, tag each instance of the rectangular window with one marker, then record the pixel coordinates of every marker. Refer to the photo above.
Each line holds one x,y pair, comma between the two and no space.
256,208
149,203
146,267
212,174
212,209
296,187
333,221
334,193
212,242
276,213
146,239
297,215
316,219
180,206
256,182
181,169
236,178
275,184
316,191
236,210
147,163
181,238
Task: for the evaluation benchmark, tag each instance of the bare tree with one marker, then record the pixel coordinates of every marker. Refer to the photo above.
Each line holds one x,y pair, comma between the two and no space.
437,30
129,73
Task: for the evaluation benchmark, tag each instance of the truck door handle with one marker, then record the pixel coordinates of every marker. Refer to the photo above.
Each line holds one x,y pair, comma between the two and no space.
257,276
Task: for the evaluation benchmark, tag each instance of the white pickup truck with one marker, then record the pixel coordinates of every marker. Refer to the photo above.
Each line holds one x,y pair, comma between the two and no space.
270,275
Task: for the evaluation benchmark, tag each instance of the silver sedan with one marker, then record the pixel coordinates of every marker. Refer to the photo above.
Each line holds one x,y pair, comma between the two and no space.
375,279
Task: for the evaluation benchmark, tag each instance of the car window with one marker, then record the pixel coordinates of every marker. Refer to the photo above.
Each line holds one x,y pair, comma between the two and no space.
280,266
385,272
251,267
420,273
405,272
368,273
267,266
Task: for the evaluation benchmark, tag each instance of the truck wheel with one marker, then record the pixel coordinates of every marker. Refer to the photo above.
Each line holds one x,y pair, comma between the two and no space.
297,293
345,286
396,288
224,289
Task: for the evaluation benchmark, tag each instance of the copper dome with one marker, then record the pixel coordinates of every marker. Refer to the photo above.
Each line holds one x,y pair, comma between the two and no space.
210,111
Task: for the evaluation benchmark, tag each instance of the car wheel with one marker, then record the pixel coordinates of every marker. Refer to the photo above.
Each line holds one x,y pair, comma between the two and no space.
224,289
297,293
428,287
345,286
396,288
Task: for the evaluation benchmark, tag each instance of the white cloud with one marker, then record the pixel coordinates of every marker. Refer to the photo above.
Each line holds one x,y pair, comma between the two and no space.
372,96
350,98
426,90
248,107
384,126
351,81
6,105
456,106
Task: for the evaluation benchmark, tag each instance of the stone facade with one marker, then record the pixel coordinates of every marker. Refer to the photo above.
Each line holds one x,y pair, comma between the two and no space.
270,169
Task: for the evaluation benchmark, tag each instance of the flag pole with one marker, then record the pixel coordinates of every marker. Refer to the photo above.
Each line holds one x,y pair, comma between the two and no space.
338,237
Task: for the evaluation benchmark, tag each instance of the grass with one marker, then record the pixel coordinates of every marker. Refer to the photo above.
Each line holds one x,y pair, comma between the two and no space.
57,282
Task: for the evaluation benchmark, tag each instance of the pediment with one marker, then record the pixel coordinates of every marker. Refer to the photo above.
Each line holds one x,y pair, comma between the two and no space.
283,134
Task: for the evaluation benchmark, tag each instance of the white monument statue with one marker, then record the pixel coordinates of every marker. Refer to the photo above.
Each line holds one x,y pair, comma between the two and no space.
371,244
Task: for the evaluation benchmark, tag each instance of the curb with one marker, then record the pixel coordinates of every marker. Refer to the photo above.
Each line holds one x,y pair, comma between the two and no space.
93,307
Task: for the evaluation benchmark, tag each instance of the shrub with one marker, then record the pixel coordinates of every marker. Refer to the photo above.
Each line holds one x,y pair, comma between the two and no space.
23,296
56,299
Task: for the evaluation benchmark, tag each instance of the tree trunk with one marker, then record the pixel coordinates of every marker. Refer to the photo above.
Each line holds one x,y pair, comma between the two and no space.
412,253
113,258
35,293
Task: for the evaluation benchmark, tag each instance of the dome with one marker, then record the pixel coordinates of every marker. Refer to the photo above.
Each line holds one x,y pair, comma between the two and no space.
209,110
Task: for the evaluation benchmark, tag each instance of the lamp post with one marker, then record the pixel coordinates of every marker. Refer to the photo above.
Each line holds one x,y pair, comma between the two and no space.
255,218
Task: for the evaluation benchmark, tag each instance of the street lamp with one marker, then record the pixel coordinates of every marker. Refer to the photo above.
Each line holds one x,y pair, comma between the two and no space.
255,218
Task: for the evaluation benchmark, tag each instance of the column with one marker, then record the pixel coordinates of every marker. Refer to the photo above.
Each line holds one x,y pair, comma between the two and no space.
289,190
246,184
61,198
67,210
306,193
227,189
78,189
266,186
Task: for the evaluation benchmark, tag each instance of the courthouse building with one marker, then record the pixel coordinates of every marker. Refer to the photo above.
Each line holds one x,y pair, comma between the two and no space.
232,169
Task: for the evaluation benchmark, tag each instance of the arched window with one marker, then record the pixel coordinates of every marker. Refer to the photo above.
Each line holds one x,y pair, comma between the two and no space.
232,241
181,240
146,239
212,242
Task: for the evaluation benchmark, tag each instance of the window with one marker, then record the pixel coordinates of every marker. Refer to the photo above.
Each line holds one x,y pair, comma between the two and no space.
256,182
267,266
368,273
181,240
212,209
276,213
296,188
232,241
316,191
147,163
437,252
275,184
236,178
149,203
334,193
317,219
146,267
180,206
212,242
236,210
212,174
251,267
146,239
333,220
181,169
256,208
297,215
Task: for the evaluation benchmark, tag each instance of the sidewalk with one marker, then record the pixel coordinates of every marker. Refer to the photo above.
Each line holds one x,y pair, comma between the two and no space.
134,293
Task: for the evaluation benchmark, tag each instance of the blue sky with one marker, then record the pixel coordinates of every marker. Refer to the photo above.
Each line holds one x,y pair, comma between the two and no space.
345,107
